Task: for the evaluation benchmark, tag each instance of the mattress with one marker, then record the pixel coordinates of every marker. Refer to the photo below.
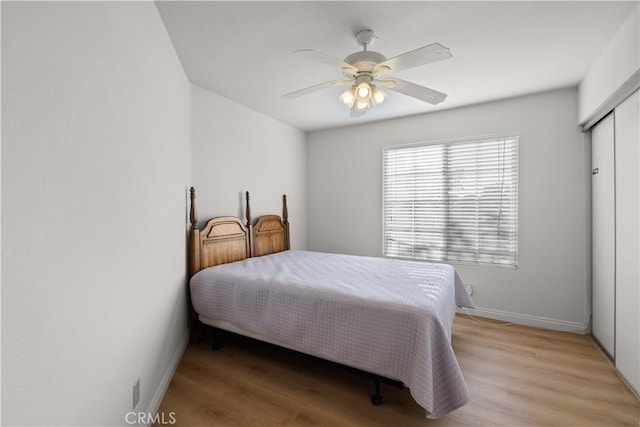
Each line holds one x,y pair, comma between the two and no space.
386,316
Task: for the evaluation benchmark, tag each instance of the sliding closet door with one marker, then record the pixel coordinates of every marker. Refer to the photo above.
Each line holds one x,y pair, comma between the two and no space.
627,134
603,228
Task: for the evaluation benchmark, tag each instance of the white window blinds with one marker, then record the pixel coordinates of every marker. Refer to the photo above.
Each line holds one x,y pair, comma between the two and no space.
455,201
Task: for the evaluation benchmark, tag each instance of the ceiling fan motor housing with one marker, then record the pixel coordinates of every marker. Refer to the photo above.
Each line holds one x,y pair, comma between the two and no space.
365,61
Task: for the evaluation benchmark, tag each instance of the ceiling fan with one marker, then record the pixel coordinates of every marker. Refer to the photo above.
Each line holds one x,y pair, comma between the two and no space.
366,70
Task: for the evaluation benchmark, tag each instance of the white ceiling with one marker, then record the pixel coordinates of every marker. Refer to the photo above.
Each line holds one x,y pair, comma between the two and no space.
243,51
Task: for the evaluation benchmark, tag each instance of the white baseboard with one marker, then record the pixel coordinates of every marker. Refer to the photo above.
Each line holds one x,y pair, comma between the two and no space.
527,320
154,405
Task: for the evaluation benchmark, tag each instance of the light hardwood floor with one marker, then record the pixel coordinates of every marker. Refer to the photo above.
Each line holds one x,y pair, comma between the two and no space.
517,376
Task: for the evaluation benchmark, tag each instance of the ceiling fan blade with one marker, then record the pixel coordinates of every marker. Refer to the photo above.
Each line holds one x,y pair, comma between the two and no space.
314,88
411,89
328,60
421,56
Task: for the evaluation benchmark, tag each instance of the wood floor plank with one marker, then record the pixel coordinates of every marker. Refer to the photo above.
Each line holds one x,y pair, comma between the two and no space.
517,376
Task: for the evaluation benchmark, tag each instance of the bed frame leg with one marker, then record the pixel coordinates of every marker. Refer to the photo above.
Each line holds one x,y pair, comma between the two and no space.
215,343
377,399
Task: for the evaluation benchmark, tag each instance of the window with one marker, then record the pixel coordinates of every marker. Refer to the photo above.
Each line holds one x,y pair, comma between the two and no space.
453,201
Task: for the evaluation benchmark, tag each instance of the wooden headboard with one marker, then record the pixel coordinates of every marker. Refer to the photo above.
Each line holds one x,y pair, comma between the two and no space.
223,239
226,239
270,233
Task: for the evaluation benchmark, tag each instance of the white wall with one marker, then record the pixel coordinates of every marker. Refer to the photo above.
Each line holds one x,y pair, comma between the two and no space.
95,163
617,63
550,286
235,150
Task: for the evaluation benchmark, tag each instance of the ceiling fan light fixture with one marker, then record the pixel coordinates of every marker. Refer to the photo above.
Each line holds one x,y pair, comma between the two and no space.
377,96
361,105
362,96
363,92
348,97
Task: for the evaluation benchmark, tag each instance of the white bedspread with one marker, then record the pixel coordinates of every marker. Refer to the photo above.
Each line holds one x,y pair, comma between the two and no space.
385,316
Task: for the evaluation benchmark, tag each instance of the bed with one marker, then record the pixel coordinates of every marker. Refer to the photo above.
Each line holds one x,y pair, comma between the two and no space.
388,317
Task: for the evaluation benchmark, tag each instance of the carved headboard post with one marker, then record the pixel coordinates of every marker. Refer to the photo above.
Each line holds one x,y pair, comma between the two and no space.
249,225
194,236
285,220
247,212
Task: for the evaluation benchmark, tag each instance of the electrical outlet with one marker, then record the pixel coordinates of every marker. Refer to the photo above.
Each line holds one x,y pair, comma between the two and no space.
136,393
469,289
